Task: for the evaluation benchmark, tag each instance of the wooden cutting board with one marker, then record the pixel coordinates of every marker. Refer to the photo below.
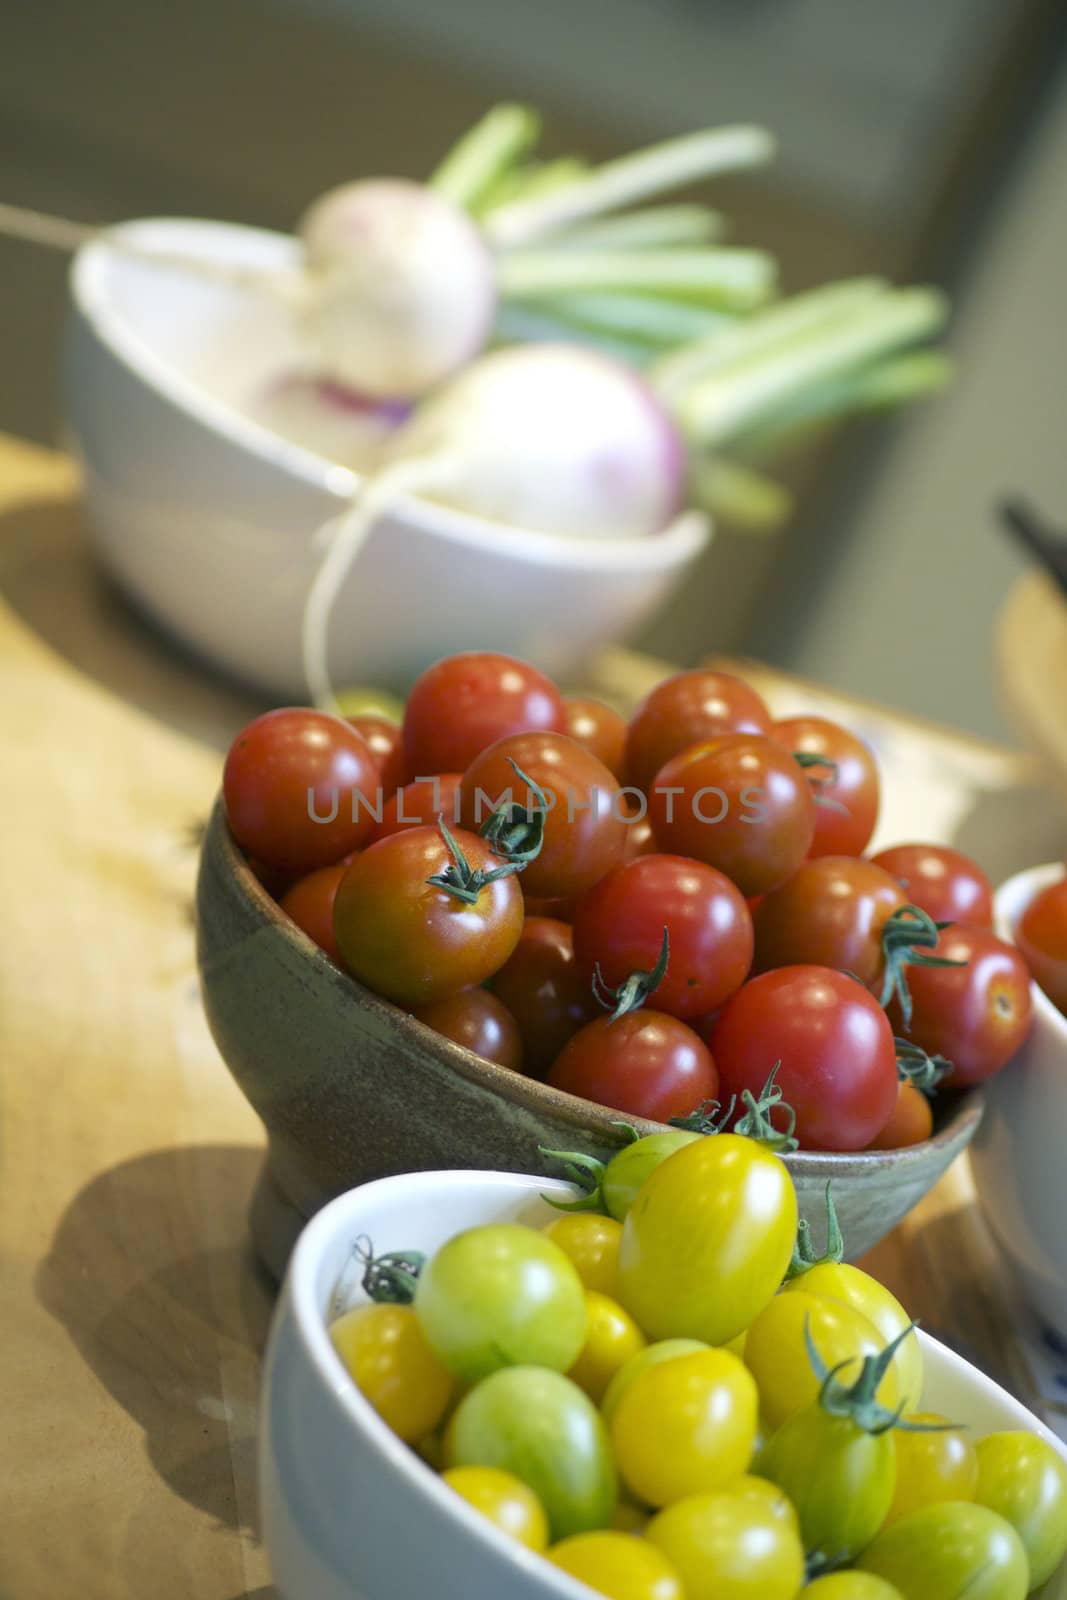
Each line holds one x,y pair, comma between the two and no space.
133,1315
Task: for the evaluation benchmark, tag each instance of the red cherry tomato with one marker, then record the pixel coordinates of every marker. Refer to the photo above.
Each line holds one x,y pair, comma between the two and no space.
911,1121
845,820
273,879
619,925
945,884
299,786
540,985
830,913
387,747
838,1062
976,1015
310,904
411,941
739,803
689,709
645,1064
465,703
479,1021
1042,937
599,729
418,805
585,829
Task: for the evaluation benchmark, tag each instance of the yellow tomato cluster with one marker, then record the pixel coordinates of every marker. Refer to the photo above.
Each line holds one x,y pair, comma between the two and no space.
637,1400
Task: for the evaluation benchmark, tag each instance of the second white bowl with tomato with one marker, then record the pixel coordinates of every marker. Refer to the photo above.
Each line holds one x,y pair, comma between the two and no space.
350,1511
1018,1152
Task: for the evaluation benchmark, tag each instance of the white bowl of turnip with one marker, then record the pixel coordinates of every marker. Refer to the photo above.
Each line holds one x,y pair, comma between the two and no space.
211,459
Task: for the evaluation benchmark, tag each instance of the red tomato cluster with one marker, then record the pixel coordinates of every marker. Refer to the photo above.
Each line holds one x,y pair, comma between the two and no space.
652,914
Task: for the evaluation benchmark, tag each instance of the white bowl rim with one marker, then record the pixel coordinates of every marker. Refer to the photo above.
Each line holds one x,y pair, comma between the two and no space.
311,1327
682,538
1009,902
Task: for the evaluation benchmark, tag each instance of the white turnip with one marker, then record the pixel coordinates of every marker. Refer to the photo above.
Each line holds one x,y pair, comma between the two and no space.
399,287
547,438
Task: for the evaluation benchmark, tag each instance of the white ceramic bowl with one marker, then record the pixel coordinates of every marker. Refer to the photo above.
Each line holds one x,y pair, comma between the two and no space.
206,516
350,1513
1018,1152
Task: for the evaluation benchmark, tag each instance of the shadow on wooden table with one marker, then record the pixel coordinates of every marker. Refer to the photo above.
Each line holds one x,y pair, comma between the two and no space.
151,1274
51,580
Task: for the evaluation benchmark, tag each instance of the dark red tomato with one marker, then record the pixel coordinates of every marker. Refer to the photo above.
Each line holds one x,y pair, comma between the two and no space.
845,821
540,986
619,925
273,879
976,1015
688,709
298,787
947,885
830,913
838,1061
560,908
739,803
310,904
479,1021
599,729
465,703
645,1064
415,943
585,829
418,805
911,1121
387,747
1042,937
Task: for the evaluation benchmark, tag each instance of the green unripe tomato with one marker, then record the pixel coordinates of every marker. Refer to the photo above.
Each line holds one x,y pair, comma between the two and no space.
1023,1479
541,1428
498,1296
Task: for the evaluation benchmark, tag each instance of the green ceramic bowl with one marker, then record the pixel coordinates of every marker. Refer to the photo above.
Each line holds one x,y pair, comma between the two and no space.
351,1087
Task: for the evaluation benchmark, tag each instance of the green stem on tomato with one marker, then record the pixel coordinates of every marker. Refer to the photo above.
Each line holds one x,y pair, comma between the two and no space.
462,881
634,990
924,1072
907,938
804,1257
391,1278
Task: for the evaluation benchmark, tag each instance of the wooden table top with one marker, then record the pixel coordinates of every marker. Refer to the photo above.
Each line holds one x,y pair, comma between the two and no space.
133,1314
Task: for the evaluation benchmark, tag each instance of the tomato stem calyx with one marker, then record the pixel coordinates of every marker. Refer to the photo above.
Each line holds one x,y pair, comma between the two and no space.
633,991
857,1401
907,938
804,1257
755,1121
585,1171
514,832
460,879
391,1278
914,1066
708,1118
819,784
